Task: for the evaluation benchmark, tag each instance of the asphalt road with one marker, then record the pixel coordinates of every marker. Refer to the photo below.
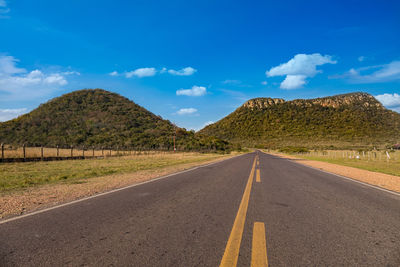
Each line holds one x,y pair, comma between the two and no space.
243,210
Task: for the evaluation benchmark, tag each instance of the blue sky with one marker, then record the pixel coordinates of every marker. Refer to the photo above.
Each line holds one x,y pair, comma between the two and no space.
194,62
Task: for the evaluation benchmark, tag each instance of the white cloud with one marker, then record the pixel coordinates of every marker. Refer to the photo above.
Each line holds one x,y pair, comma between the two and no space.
264,82
388,72
19,83
293,82
3,3
361,58
55,79
391,101
8,65
186,111
237,83
8,114
148,72
300,67
384,73
353,72
182,72
234,82
141,72
35,77
194,91
301,64
71,73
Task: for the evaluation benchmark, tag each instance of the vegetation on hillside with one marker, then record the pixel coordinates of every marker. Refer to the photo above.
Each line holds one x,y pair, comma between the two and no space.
356,119
100,118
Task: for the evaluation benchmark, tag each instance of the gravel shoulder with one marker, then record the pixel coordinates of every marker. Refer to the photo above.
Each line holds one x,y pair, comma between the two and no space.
382,180
35,198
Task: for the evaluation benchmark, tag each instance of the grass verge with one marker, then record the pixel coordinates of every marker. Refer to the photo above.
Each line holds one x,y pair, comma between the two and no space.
53,183
17,176
375,161
391,168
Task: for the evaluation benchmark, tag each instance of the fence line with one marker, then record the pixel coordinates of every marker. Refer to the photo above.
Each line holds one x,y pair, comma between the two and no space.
382,155
25,154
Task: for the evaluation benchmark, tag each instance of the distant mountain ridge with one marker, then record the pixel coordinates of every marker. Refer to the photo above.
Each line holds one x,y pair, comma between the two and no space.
347,120
96,117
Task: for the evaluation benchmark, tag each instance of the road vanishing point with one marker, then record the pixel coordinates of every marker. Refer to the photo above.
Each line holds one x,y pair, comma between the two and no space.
251,210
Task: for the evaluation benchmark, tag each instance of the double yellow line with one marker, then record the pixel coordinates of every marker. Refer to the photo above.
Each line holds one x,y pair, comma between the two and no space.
259,248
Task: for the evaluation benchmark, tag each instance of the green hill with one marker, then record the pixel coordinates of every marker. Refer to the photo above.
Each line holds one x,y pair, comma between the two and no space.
342,121
95,117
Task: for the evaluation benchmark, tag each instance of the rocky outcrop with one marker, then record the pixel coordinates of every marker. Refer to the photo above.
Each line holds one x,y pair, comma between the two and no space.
363,99
262,102
337,101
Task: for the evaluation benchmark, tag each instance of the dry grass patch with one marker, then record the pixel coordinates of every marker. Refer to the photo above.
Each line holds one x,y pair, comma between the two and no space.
124,171
14,176
376,161
36,152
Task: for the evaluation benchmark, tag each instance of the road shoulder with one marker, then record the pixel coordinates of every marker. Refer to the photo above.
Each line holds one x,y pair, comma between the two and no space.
47,196
385,181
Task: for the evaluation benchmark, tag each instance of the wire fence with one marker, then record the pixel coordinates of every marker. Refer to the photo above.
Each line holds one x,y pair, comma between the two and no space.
24,153
378,156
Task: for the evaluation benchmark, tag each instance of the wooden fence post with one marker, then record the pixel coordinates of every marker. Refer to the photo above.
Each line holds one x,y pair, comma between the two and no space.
23,149
83,152
41,153
102,151
58,152
110,152
117,150
2,152
72,151
93,152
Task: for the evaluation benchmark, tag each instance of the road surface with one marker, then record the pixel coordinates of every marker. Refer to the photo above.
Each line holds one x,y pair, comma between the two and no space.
251,210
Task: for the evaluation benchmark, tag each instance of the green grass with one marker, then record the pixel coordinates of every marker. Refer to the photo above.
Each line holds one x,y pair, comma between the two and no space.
14,176
392,167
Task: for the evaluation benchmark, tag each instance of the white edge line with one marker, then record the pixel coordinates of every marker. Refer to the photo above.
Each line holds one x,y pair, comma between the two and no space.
341,176
113,191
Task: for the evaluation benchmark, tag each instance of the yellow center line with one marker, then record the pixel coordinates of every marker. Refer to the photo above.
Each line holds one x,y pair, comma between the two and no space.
258,178
259,246
231,253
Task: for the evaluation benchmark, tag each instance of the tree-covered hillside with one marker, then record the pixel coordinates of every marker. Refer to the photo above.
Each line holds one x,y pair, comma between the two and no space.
95,117
356,119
